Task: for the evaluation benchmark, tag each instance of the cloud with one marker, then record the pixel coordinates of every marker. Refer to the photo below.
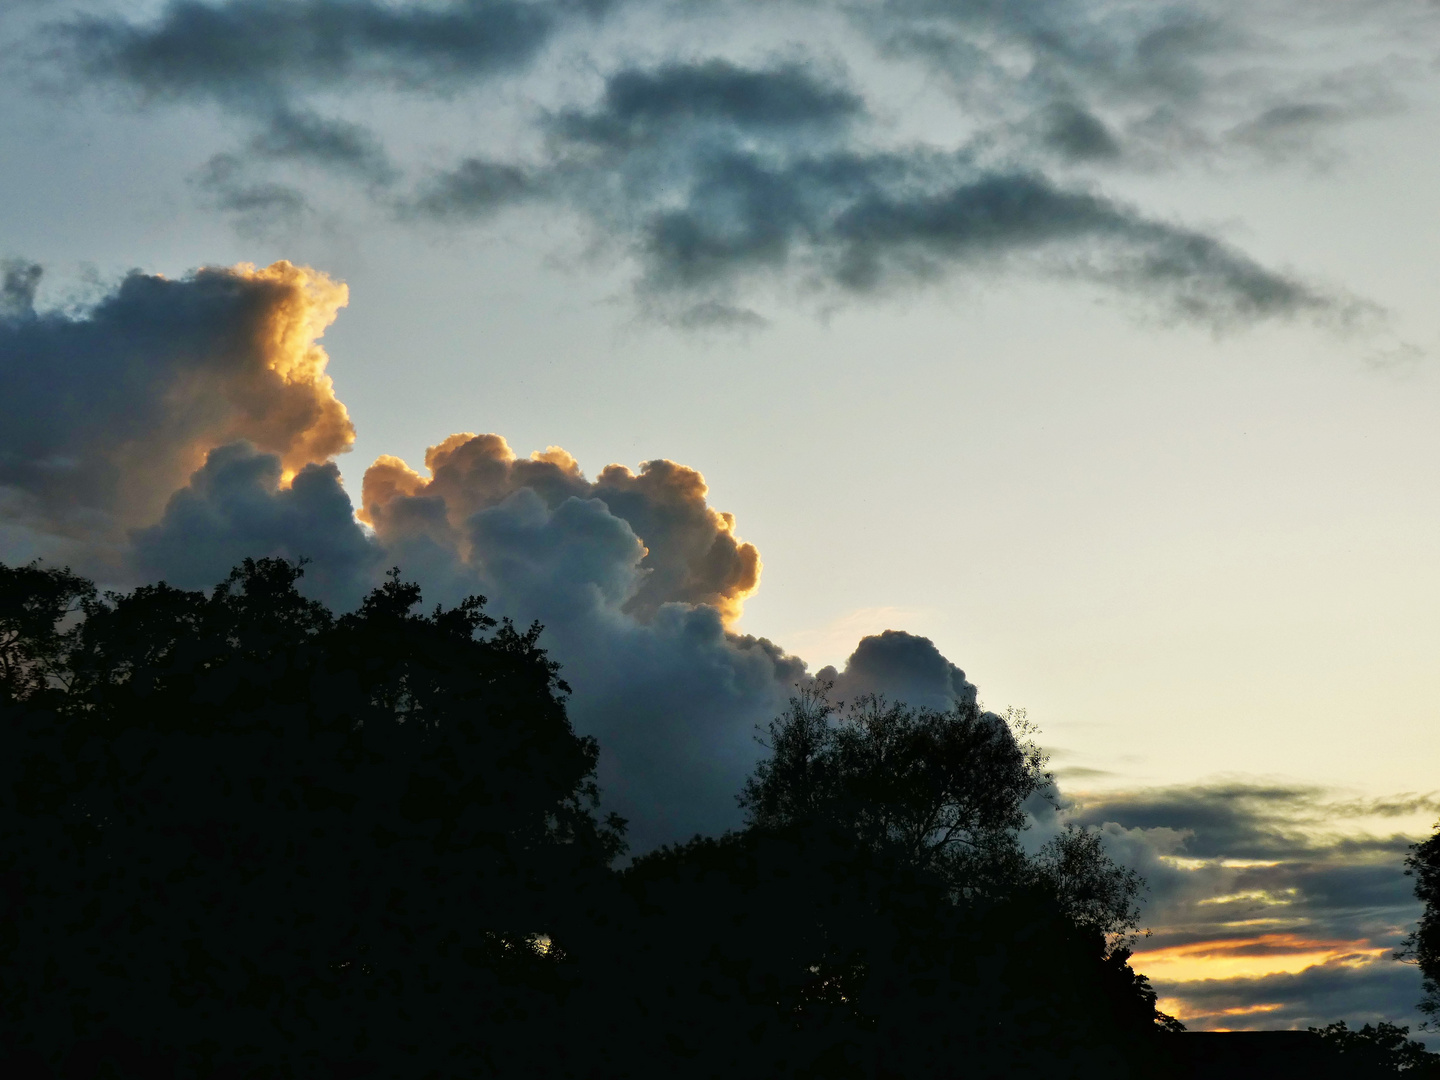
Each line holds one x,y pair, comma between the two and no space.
1152,85
244,50
638,105
722,176
337,144
1078,133
718,177
17,289
690,554
259,208
475,189
236,507
1273,904
105,413
1357,993
900,666
178,427
635,578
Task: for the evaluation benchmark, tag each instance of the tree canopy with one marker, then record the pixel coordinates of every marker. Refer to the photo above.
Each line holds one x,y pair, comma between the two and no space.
231,822
944,791
243,837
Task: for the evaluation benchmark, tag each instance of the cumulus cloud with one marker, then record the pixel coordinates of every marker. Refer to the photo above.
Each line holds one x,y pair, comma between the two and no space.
902,667
237,507
690,555
107,412
634,576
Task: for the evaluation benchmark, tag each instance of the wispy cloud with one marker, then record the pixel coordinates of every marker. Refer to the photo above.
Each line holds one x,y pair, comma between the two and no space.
724,174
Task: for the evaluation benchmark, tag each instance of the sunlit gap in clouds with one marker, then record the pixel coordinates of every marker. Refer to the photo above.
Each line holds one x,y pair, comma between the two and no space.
1251,958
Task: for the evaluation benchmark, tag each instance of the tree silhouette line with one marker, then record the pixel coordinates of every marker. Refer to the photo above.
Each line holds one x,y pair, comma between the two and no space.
243,837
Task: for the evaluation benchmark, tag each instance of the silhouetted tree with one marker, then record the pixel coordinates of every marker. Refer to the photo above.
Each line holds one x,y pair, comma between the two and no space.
943,791
800,952
878,918
1380,1050
243,837
34,605
1422,947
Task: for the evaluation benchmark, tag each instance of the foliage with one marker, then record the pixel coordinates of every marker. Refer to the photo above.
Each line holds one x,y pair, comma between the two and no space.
1422,946
34,605
817,955
1379,1050
946,792
231,822
243,837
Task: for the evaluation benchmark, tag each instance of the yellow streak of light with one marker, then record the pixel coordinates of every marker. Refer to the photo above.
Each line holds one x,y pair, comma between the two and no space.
1251,958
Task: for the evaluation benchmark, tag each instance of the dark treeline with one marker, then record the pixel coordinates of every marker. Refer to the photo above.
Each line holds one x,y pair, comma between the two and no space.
242,837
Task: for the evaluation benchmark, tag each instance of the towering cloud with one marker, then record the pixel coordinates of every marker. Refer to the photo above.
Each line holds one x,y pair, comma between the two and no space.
107,413
178,427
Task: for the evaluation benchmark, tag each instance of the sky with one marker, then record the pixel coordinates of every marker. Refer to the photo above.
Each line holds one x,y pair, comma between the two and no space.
1088,347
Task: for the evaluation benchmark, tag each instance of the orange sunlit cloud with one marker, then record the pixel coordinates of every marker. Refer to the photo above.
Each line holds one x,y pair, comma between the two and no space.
1218,1019
1251,958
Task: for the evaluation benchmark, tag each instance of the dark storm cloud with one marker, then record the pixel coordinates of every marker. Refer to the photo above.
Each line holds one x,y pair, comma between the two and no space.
245,49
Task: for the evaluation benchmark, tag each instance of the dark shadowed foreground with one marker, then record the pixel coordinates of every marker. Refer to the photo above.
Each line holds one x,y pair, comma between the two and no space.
245,838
